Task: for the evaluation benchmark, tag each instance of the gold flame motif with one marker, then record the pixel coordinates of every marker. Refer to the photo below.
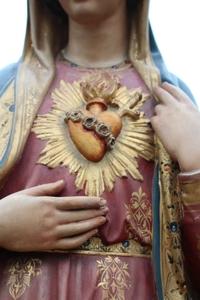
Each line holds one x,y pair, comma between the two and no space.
102,85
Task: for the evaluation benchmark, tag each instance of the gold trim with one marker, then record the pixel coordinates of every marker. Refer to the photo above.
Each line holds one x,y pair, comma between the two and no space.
172,266
95,246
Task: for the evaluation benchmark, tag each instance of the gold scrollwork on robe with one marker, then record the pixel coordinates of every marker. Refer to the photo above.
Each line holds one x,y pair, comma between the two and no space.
113,278
139,217
21,272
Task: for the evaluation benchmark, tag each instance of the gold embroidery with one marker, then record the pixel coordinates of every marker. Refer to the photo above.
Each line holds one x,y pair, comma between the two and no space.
139,217
135,139
30,107
95,246
21,273
126,248
6,116
113,278
172,267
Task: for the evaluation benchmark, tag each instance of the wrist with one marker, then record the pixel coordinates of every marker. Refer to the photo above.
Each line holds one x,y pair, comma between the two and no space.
189,183
189,166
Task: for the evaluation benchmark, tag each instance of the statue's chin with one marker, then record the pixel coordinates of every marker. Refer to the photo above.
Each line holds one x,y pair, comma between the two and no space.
90,11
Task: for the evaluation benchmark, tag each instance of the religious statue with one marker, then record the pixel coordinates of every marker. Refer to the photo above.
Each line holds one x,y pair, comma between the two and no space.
99,161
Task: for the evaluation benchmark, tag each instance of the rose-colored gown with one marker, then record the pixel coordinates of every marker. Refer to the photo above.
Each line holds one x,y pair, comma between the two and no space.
115,265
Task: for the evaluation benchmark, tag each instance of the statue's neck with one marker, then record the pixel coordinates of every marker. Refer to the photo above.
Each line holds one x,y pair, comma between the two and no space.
99,45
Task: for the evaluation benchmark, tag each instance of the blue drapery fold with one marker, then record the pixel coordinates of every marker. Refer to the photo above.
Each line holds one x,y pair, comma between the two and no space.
164,73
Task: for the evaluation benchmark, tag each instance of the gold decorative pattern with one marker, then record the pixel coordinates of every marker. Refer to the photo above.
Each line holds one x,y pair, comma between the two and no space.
6,116
174,286
28,91
22,271
139,217
126,248
95,246
114,276
134,140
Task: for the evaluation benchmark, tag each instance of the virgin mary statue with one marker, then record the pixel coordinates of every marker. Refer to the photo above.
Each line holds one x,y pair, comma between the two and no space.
89,125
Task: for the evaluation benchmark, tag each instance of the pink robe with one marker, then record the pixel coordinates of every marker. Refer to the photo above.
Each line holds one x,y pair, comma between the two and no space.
94,272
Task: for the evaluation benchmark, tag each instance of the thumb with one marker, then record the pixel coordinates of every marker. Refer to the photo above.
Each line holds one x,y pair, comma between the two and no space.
48,189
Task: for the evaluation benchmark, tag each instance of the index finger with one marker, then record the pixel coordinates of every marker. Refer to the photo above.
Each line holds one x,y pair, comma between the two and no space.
164,96
176,92
79,202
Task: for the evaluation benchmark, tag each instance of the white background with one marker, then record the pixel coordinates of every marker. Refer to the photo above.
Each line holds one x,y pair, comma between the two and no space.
175,23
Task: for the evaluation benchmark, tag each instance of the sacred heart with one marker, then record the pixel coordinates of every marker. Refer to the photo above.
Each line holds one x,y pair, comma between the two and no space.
94,129
105,124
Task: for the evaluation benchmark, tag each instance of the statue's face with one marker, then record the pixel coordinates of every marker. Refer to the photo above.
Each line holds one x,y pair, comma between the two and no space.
91,11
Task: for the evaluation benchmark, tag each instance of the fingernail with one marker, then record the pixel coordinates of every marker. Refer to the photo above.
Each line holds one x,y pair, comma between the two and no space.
60,181
102,219
103,202
104,209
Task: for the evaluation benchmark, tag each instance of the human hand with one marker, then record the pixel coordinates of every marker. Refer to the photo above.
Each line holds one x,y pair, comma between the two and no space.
35,220
177,124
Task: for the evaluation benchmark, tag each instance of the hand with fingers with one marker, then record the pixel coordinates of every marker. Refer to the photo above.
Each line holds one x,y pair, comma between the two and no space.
36,220
177,124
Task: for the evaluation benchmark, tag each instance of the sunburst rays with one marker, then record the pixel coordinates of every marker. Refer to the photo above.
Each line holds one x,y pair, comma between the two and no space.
135,140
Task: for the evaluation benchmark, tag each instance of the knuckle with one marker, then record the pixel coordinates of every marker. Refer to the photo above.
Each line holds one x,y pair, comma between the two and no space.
49,224
48,218
47,207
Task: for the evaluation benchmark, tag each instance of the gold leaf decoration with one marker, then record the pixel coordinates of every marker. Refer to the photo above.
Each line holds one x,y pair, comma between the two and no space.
22,271
139,217
134,140
113,278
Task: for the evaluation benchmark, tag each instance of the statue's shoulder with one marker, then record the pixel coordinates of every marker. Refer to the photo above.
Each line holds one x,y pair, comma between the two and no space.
7,75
